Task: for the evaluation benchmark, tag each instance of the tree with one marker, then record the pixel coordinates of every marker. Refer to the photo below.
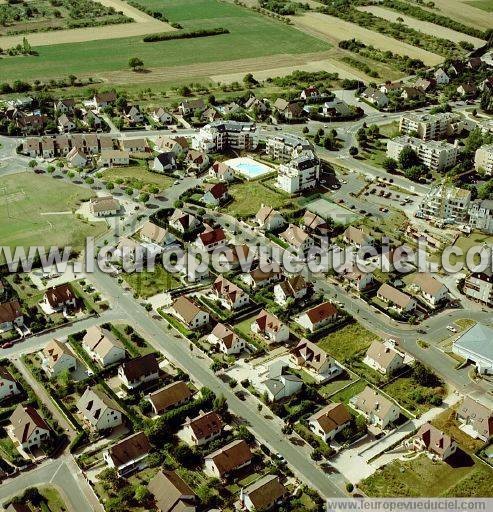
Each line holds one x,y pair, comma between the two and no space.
32,164
249,80
220,404
353,151
135,63
390,164
142,494
408,158
424,376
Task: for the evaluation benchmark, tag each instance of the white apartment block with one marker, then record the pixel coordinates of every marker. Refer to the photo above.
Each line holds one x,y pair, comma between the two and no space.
446,202
286,147
430,126
221,135
299,174
483,159
481,216
436,155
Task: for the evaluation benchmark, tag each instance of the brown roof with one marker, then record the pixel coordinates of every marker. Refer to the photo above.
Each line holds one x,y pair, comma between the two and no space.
205,424
313,221
18,507
106,97
54,350
170,395
321,312
265,212
394,295
267,322
103,204
478,415
371,402
331,417
153,232
59,295
139,366
6,375
356,235
230,457
221,168
217,189
129,449
211,236
294,235
227,289
225,334
100,340
171,492
186,308
309,354
293,285
428,283
265,491
259,275
382,354
25,419
9,311
435,440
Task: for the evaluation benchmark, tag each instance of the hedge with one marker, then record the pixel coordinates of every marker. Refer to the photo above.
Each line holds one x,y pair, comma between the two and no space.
167,36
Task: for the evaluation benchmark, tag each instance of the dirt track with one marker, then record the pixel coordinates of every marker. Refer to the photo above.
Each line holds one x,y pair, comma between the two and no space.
423,26
334,30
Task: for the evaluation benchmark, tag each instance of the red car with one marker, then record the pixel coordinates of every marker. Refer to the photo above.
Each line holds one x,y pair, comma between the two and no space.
8,344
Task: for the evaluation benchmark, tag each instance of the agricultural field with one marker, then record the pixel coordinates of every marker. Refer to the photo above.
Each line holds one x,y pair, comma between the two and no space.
485,5
477,13
251,36
38,210
422,26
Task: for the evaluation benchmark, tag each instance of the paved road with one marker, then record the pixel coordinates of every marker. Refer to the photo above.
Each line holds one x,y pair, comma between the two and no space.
63,474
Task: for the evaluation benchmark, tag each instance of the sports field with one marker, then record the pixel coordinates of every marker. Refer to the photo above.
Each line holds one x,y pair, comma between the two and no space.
37,210
251,35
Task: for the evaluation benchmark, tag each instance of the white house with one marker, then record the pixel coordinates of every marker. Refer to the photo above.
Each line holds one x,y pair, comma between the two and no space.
164,162
222,172
160,116
475,345
210,239
269,219
377,409
58,358
28,428
441,77
104,206
294,288
139,370
395,299
270,328
76,158
114,157
315,361
297,239
203,428
432,290
317,317
329,421
8,385
476,418
280,383
229,458
383,358
103,346
129,454
228,341
99,411
265,494
232,297
189,313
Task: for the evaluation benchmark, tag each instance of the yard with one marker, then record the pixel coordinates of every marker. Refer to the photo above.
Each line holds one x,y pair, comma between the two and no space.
249,197
251,36
347,393
147,283
347,342
138,177
37,210
423,477
466,242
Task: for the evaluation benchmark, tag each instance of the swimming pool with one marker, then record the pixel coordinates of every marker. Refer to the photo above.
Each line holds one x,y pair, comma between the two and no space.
248,167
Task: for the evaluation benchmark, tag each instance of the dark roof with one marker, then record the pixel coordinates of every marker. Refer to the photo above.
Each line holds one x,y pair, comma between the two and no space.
59,295
139,366
129,449
9,311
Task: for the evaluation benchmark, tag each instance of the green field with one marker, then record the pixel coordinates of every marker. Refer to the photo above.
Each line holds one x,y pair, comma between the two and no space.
26,198
251,35
137,177
146,284
485,5
347,342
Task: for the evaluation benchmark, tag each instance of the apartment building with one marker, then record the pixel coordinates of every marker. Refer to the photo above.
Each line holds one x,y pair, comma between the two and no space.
430,126
301,173
287,146
446,202
436,155
483,159
221,135
478,286
481,215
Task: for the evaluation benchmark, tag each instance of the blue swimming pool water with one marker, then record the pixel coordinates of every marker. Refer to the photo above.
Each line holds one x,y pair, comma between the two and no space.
251,169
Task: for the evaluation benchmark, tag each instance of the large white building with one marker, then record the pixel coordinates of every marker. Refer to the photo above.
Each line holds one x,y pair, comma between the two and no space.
446,202
286,146
430,126
221,135
483,159
475,345
436,155
301,173
481,215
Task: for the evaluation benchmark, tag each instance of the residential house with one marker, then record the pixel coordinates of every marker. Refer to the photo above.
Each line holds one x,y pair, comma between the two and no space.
171,493
91,120
104,100
65,124
228,341
11,316
412,93
8,385
375,97
270,328
196,161
289,110
215,193
203,428
475,346
129,454
476,419
59,298
164,162
456,67
314,224
358,238
232,297
189,313
315,361
297,239
160,116
269,219
294,288
383,358
139,370
317,317
173,395
28,428
309,93
329,421
425,84
133,114
183,222
99,411
432,290
31,147
396,299
114,157
176,145
104,206
191,107
467,90
154,234
231,457
102,346
76,158
57,358
479,286
434,441
264,494
280,383
336,108
483,159
258,278
210,239
136,145
256,105
377,409
356,278
209,115
222,172
441,78
64,106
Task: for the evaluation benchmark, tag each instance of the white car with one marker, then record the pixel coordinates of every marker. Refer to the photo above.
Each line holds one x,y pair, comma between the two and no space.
451,328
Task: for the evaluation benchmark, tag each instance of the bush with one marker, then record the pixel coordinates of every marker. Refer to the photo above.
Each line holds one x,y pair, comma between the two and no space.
167,36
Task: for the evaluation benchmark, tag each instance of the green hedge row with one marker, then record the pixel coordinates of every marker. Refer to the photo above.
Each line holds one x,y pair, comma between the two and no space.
167,36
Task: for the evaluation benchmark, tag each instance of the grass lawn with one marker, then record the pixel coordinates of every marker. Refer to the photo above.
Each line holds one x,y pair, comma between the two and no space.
336,384
27,291
251,35
391,224
27,201
249,197
466,242
138,177
423,477
485,5
146,284
346,342
7,448
389,130
464,323
347,393
246,333
53,499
